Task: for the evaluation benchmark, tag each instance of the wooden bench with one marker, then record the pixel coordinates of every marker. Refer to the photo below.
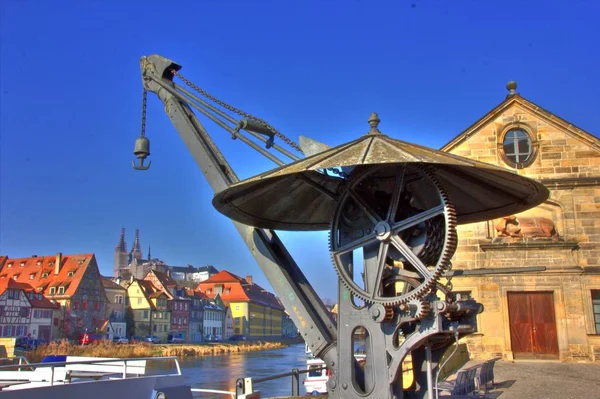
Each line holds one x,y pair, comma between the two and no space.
464,383
485,374
103,369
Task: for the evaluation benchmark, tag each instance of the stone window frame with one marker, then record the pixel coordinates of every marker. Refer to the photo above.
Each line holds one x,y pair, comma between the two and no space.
535,144
590,325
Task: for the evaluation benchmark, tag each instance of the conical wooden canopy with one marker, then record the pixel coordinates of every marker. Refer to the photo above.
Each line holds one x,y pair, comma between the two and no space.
299,197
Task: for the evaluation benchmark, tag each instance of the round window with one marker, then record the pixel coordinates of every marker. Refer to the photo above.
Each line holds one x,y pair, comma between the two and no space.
517,147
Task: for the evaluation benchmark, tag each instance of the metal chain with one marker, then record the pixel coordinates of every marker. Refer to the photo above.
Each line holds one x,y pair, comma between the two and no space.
237,111
144,99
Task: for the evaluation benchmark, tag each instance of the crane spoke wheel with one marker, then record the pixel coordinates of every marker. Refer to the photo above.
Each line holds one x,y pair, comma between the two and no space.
393,234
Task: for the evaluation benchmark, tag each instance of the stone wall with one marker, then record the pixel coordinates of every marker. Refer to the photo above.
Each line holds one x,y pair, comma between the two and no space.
567,163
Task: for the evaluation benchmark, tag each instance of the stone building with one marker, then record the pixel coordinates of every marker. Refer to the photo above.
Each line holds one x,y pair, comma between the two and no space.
552,312
115,309
190,276
196,323
132,264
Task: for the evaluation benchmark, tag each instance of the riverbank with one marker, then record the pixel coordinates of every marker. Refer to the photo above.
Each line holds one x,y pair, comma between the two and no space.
143,349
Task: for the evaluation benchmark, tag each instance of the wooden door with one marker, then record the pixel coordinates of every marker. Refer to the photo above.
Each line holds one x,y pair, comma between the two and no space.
532,325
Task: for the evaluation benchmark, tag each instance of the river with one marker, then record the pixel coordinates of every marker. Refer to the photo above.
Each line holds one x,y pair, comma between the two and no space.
221,372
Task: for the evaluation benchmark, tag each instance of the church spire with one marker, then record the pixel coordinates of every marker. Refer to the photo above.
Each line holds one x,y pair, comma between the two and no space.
136,250
136,242
121,247
149,257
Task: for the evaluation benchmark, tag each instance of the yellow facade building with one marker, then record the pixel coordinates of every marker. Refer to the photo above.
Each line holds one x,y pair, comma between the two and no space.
256,312
150,312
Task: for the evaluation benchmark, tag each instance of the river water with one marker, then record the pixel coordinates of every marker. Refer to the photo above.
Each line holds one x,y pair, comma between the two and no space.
221,372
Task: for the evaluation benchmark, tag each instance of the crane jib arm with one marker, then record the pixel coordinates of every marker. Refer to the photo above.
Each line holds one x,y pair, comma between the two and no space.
299,299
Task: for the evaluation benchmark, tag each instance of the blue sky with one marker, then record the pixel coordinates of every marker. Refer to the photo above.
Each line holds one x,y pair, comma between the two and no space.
70,103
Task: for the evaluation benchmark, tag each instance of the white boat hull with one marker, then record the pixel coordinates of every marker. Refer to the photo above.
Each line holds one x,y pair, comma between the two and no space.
146,387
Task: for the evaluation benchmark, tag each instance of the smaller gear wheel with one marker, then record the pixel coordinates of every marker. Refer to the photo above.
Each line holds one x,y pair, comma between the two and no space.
420,307
389,314
381,314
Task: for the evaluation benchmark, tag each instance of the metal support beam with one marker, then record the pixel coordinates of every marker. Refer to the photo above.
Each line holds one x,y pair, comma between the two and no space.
305,307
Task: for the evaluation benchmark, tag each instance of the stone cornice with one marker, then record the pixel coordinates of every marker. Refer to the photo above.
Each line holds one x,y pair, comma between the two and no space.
487,245
571,182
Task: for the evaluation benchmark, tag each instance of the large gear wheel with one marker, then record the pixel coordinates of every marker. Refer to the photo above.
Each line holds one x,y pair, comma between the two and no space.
402,220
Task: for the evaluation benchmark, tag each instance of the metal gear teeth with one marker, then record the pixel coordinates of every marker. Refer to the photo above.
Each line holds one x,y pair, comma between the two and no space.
423,308
450,243
389,314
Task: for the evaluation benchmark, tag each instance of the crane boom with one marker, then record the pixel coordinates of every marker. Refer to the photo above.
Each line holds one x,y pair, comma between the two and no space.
298,297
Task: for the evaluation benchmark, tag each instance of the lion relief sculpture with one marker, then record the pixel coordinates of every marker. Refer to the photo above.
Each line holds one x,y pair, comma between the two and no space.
531,227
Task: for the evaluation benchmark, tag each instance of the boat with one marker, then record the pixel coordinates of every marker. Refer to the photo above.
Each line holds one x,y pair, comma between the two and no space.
318,374
95,378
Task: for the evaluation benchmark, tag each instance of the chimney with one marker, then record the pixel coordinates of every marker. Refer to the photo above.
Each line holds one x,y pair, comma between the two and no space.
118,280
249,279
131,279
169,272
57,263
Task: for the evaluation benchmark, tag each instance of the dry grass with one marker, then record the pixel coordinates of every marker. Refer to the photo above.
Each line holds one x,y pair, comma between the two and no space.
142,349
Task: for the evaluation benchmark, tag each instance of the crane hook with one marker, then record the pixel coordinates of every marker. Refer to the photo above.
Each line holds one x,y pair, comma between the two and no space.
141,151
141,165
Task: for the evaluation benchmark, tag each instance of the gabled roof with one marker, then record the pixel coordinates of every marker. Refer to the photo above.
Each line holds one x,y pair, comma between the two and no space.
163,278
240,290
36,299
39,266
108,283
534,109
223,277
149,290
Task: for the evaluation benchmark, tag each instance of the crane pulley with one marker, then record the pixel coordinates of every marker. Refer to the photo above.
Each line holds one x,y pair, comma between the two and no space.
253,125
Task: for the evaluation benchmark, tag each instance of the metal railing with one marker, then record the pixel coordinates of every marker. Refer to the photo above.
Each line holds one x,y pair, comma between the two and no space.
201,390
116,362
245,385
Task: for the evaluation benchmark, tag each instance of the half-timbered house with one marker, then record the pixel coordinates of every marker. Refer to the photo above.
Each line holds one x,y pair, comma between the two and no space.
178,303
149,306
73,281
15,309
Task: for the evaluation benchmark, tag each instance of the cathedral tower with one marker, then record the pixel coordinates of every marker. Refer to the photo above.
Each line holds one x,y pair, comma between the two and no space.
120,255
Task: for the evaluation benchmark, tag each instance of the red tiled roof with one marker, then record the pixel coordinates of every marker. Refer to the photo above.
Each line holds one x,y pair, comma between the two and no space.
240,290
195,294
35,301
223,277
162,277
31,270
151,291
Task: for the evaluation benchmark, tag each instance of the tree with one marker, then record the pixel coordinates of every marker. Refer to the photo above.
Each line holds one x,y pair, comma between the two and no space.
130,322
